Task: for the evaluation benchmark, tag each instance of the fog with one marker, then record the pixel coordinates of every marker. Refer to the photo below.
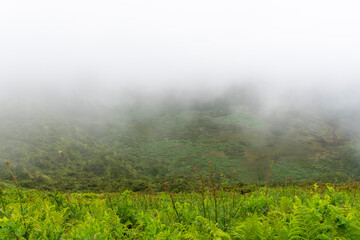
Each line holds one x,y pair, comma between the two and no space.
113,51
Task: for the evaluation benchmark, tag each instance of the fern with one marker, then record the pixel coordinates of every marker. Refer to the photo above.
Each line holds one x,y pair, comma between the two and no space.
348,227
205,229
305,224
279,216
251,229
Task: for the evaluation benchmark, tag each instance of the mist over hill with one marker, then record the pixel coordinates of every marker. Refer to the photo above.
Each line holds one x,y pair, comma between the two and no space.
129,94
139,139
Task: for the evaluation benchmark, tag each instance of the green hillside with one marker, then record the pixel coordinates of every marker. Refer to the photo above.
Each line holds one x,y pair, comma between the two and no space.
55,154
302,147
141,147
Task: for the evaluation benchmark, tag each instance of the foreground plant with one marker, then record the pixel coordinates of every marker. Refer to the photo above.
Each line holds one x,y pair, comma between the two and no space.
320,212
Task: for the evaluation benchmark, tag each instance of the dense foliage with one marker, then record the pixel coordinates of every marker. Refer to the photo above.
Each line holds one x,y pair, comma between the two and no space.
325,212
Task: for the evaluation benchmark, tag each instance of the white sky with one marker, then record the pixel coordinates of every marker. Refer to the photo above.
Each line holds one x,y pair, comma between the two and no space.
148,44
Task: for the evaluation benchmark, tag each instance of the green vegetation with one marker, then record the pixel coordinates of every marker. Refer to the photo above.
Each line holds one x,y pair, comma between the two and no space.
244,118
144,146
213,212
143,173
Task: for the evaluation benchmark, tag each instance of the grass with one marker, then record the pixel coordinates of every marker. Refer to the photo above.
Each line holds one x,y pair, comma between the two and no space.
244,119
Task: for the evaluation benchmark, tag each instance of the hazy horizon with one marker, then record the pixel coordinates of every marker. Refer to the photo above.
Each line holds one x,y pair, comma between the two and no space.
106,52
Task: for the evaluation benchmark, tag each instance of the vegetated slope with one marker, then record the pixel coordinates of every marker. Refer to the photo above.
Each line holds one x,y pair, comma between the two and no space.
146,144
301,146
51,153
